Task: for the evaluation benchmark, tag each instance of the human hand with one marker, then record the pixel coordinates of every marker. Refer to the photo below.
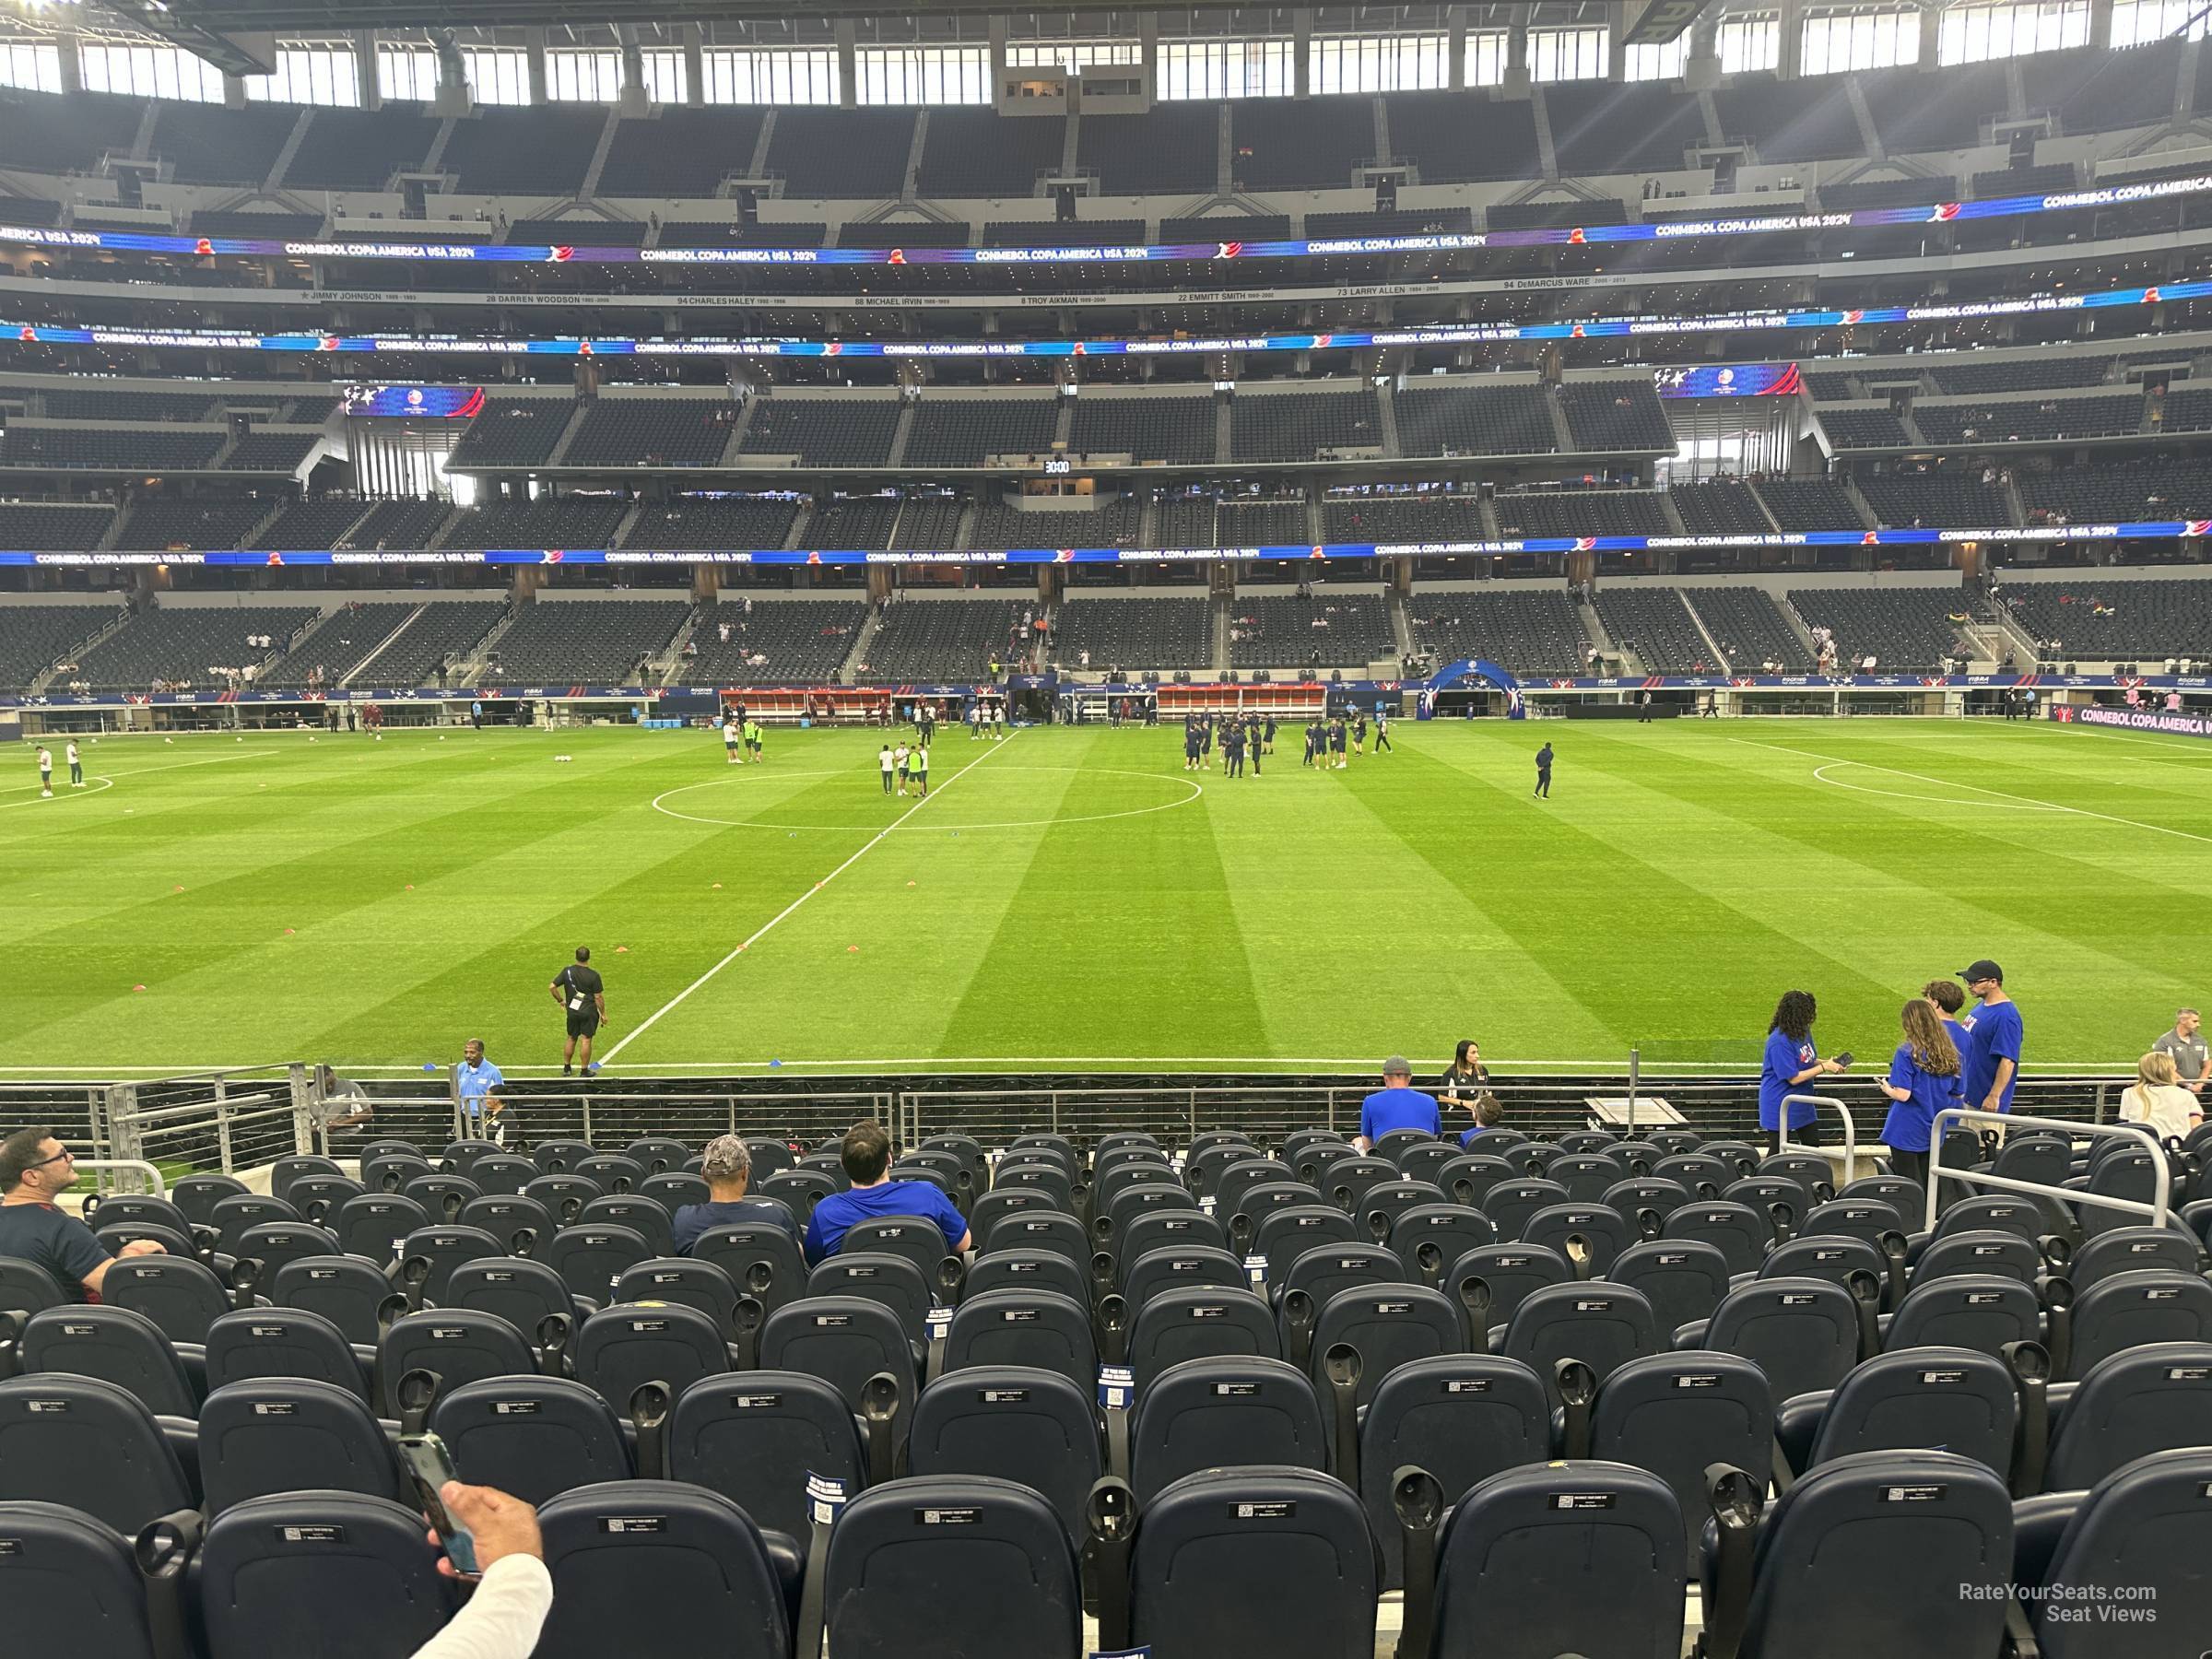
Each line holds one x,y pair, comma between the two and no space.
500,1523
143,1247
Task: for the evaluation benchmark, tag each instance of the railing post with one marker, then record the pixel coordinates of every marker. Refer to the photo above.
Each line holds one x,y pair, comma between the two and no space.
1191,1130
586,1101
1635,1076
732,1101
1055,1112
306,1091
122,1125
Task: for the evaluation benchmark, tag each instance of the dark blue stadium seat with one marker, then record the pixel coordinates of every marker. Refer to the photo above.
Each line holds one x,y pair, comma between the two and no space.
619,1348
1220,1548
1983,1251
1742,1234
503,1215
874,1277
1603,1233
1677,1415
1285,1234
695,1559
699,1286
70,1584
1972,1310
1571,1557
344,1290
1684,1279
181,1296
198,1195
1512,1272
1038,1330
1026,1270
2137,1542
115,1345
1448,1231
285,1171
1036,1428
91,1445
1911,1399
27,1287
457,1344
1832,1259
1511,1204
563,1193
1387,1326
520,1292
502,1174
1587,1175
376,1226
845,1341
1602,1325
535,1436
275,1244
282,1342
610,1172
1869,1553
591,1260
335,1574
638,1211
2143,1401
1322,1270
2131,1250
1849,1217
760,1260
1038,1228
1461,1417
1179,1325
234,1216
441,1249
282,1434
1217,1412
755,1437
2130,1309
1803,1333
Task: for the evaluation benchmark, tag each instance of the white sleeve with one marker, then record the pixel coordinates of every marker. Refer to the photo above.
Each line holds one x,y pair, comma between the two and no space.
504,1616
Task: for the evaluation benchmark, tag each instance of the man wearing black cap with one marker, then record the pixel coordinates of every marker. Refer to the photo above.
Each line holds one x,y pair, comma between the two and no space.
1993,1059
1396,1105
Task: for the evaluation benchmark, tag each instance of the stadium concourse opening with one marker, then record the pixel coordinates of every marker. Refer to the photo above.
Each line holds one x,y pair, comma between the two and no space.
854,826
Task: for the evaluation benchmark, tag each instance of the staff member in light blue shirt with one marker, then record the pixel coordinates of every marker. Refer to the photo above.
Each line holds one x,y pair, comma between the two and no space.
1791,1062
476,1080
1396,1105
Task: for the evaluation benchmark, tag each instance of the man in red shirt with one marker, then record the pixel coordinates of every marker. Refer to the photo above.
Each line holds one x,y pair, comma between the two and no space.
35,1169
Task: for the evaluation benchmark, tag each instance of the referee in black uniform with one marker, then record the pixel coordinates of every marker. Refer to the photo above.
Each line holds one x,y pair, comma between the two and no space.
582,996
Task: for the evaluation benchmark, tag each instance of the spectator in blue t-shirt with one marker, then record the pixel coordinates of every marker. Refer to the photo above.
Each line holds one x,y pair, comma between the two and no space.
1791,1062
1396,1105
1948,999
728,1169
1993,1065
866,1156
1486,1112
1925,1078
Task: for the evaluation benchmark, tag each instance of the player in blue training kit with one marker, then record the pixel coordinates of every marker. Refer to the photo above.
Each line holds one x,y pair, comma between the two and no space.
1544,773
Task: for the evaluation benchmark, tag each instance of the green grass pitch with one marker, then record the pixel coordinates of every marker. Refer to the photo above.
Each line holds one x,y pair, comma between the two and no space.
1075,897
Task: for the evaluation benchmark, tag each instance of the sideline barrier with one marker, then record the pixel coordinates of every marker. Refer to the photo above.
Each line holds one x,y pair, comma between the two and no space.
2155,1210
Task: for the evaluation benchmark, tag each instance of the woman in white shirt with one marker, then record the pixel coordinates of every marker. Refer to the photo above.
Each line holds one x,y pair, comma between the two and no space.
2158,1101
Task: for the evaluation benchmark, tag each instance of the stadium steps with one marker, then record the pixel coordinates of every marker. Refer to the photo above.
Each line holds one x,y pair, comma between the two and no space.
666,667
1711,643
1561,434
1147,524
1710,113
801,522
963,530
1386,420
1798,626
568,433
265,520
1070,143
143,143
756,168
1593,628
848,671
589,187
1547,157
1869,134
1487,511
1868,519
738,429
467,670
1221,604
900,434
290,148
39,682
1223,439
629,522
1064,428
1401,621
446,133
1912,434
113,532
363,667
2185,84
2016,509
1672,514
1225,151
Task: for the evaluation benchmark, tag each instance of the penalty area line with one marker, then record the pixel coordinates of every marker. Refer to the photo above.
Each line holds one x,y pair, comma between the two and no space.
771,924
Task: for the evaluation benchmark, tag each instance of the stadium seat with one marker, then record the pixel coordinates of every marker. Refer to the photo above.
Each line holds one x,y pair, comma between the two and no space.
428,1255
134,1208
1911,1399
2127,1309
1381,1204
114,1346
1162,1228
612,1174
198,1195
520,1292
463,1156
564,1195
591,1260
1803,1333
1383,1328
846,1342
91,1445
27,1287
1012,1422
507,1216
755,1438
1286,1233
1158,1270
1910,1527
906,1560
699,1286
561,1156
1741,1233
2134,1249
1448,1230
1684,1279
1984,1251
535,1436
1509,1273
713,1582
1869,1219
2139,1403
673,1189
638,1211
1027,1270
275,1244
330,1573
1033,1228
317,1197
657,1153
1111,1216
874,1277
456,1345
1179,1325
1322,1270
1223,1412
286,1434
1639,1193
954,1175
1700,1173
916,1238
1038,1330
617,1348
502,1174
376,1227
1468,1178
389,1171
1675,1416
1603,1235
759,1259
998,1204
2137,1541
1214,1554
234,1216
344,1290
1601,1325
1510,1205
1587,1176
285,1172
71,1584
1969,1310
801,1189
1523,1568
282,1342
1832,1260
181,1296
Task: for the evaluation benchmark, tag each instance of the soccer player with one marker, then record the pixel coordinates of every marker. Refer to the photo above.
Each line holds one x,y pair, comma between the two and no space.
731,737
76,765
885,759
582,995
1190,743
752,741
1382,731
919,760
1337,737
1251,745
975,720
898,759
1312,742
1544,772
1993,1063
1396,1105
1360,734
45,772
1206,741
1268,737
866,1156
1232,750
478,1082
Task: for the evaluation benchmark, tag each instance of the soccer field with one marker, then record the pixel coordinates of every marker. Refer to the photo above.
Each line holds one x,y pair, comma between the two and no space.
1073,897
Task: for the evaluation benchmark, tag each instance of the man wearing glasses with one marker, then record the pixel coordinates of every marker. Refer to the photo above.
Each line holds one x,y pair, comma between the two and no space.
36,1169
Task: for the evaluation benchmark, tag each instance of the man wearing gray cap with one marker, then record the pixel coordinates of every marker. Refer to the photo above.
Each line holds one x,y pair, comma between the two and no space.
1396,1105
728,1168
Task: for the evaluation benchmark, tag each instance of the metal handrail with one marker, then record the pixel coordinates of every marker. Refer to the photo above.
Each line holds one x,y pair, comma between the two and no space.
260,1105
2160,1192
1850,1130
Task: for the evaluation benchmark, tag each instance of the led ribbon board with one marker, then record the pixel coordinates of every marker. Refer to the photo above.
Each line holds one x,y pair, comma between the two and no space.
1933,213
1729,380
417,403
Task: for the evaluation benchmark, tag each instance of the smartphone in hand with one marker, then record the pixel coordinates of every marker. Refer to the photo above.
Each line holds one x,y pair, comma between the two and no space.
430,1466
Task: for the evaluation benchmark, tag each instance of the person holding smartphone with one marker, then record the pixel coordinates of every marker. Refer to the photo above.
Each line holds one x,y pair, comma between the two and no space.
1790,1062
506,1612
1925,1078
1465,1077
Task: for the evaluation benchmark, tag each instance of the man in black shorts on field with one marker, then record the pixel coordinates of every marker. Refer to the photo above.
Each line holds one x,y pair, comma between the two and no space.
582,995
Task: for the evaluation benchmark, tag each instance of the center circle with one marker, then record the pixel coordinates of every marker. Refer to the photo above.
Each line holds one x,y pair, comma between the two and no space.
936,820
